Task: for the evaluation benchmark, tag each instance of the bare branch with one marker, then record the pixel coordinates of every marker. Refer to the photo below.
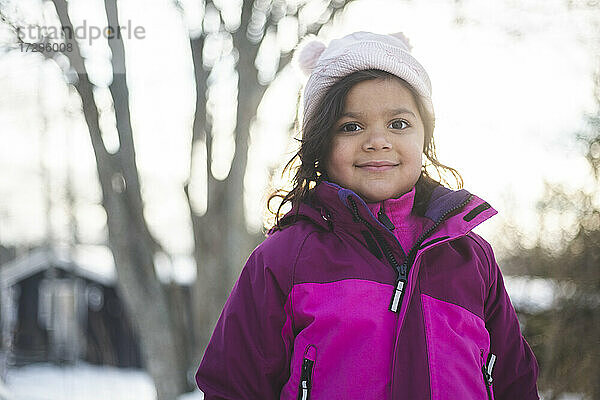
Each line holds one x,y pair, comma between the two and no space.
25,45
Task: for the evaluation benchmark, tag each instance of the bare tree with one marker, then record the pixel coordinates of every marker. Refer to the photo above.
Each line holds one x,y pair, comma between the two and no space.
132,245
221,237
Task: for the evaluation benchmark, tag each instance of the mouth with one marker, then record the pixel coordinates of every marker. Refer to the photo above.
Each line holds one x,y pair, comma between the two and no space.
377,166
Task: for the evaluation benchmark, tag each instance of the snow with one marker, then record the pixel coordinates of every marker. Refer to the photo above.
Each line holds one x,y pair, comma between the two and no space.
81,382
89,382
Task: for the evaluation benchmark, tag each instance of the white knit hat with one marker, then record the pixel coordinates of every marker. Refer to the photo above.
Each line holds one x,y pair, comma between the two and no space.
358,51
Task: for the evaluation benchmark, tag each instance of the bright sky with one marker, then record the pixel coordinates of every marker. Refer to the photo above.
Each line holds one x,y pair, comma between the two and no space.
510,88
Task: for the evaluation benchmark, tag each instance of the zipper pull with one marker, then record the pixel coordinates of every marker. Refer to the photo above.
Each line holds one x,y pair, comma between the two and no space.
398,294
384,219
489,367
304,392
305,377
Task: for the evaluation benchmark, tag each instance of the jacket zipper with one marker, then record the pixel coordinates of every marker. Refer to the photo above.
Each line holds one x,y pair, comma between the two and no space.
387,251
402,270
305,379
410,259
487,369
402,273
384,219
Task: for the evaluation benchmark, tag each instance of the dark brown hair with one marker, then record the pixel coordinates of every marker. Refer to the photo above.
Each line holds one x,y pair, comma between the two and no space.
316,142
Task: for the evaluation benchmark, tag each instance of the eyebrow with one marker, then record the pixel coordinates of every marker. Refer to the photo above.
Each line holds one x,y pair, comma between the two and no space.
393,111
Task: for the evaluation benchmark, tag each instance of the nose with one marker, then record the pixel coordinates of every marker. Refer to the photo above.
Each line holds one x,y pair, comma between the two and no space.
376,139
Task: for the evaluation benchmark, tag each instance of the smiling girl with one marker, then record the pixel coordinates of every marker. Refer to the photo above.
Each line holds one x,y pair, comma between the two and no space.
374,285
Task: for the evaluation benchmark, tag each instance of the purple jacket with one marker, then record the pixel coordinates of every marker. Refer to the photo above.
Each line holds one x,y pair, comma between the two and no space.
331,307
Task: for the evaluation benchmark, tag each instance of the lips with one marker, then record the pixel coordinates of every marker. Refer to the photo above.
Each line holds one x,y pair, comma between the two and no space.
377,166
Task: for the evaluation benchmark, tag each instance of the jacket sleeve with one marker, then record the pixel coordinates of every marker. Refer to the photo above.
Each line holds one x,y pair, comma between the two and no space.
248,355
516,369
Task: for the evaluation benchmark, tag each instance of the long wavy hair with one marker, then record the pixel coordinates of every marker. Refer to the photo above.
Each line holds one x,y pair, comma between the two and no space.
307,163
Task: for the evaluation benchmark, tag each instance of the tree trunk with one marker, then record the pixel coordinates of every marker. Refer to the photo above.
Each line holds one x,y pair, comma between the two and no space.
165,355
201,291
222,241
129,239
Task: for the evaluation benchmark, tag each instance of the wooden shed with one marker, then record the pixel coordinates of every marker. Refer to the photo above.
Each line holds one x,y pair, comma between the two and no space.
55,310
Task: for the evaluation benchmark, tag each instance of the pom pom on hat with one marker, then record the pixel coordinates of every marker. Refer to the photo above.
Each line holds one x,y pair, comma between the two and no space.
307,54
403,38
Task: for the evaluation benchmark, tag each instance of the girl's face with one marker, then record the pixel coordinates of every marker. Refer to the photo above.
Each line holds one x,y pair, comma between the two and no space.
377,143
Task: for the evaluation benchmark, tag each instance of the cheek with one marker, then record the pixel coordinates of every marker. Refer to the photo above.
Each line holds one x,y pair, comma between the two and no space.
334,165
412,151
338,157
419,146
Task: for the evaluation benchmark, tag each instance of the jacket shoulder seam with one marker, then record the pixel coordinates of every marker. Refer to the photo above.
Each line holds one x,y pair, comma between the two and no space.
293,277
477,239
300,247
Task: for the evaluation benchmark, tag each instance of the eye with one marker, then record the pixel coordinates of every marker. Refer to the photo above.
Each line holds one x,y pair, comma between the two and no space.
350,127
399,124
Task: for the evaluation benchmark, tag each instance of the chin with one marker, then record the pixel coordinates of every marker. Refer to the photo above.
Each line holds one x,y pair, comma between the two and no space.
376,196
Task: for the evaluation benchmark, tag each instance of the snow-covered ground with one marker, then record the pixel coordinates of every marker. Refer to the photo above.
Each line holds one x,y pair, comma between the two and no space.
89,382
81,382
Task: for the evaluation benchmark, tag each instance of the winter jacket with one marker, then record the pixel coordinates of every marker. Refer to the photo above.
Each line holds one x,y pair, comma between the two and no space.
332,307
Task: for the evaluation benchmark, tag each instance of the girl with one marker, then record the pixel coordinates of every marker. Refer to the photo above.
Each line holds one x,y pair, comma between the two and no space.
373,286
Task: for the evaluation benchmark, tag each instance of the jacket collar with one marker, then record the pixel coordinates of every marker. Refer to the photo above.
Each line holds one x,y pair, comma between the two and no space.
397,209
455,212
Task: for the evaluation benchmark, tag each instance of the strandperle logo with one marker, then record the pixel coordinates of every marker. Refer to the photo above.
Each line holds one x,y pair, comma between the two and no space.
84,32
